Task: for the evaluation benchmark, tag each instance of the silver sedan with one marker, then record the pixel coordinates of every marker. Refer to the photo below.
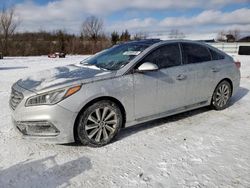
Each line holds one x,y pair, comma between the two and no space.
130,83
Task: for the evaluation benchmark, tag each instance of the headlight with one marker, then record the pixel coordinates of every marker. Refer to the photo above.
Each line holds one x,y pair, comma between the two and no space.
52,97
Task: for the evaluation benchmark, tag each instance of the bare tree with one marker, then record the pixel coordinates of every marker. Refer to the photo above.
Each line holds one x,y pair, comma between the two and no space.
61,39
231,35
115,37
221,36
235,33
176,34
7,27
125,36
140,36
92,28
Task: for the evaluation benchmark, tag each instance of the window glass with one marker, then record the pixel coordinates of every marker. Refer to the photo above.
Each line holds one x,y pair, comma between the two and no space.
165,56
195,53
216,55
244,50
116,57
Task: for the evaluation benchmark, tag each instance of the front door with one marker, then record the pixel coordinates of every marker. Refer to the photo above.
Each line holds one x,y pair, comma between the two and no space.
162,90
145,94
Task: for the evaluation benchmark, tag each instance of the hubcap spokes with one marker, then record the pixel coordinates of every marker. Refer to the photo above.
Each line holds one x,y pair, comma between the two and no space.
101,124
222,95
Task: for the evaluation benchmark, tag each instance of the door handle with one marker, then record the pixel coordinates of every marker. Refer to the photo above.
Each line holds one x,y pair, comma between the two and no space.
181,77
215,70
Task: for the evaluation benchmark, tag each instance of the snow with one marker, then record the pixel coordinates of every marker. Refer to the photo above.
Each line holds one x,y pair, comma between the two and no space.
201,148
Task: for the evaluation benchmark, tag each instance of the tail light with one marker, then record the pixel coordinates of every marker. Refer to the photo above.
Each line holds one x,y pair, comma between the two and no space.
238,64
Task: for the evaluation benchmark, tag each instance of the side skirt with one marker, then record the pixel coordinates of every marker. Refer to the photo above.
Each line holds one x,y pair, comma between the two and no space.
168,113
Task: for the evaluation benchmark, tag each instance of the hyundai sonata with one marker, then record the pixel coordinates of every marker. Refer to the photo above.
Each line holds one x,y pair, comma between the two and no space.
127,84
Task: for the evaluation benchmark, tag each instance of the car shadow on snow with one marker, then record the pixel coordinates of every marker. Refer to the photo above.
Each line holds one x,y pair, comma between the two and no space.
11,68
242,92
158,122
43,173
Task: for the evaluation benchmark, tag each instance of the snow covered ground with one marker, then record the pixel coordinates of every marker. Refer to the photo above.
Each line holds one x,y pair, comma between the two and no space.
202,148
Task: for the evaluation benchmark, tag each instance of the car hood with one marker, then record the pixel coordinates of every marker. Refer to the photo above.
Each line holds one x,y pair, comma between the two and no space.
63,76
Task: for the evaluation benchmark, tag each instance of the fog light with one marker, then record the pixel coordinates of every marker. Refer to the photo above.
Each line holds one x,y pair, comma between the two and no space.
37,128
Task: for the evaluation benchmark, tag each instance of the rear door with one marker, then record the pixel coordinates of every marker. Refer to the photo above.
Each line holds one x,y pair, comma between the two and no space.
201,70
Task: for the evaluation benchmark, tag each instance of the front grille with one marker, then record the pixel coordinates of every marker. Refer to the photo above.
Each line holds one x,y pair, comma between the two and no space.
15,98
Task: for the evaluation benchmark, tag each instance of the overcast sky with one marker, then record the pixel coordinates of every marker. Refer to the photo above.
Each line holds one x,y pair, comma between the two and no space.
153,16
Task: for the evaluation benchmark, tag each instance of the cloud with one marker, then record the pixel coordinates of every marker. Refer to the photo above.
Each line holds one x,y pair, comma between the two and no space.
209,18
63,8
68,15
134,24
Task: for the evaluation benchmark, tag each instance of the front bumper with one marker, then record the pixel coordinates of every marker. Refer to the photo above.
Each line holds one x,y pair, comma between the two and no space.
47,123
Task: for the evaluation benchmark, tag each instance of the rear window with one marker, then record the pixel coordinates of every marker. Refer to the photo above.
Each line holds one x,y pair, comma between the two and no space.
215,55
195,53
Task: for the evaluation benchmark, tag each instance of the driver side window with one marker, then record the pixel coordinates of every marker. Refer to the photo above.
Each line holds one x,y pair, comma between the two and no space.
165,56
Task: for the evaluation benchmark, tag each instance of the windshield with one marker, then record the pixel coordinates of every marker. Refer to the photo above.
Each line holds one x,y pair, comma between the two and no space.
116,57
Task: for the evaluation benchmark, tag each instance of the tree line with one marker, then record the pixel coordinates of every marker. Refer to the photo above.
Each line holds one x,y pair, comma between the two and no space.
91,39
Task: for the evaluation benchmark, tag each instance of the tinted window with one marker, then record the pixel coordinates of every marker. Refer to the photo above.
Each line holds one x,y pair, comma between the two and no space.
165,56
195,53
244,50
215,55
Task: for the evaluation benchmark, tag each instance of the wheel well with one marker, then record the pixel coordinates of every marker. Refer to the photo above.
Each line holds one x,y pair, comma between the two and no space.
229,81
97,100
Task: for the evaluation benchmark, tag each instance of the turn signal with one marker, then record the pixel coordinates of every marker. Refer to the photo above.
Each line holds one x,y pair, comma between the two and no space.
72,90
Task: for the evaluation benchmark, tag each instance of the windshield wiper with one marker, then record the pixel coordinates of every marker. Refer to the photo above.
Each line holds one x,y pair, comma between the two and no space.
102,68
84,63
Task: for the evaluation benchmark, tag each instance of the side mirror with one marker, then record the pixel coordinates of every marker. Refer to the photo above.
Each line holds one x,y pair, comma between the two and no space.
147,66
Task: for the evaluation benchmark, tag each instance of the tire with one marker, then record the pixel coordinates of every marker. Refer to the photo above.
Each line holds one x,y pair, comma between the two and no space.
99,123
221,95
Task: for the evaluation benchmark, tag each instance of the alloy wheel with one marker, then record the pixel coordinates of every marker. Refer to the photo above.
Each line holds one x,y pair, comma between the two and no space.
101,124
222,95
